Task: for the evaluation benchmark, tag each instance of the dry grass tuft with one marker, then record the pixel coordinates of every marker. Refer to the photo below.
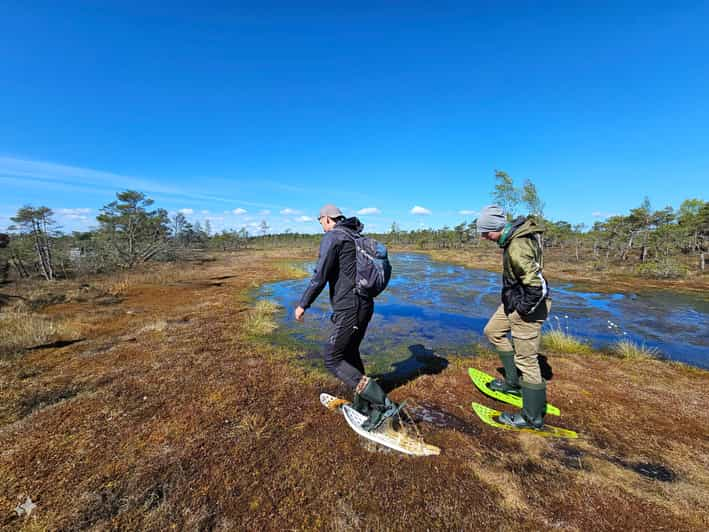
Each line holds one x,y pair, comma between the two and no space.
288,271
156,326
260,320
560,341
22,329
116,287
119,285
629,350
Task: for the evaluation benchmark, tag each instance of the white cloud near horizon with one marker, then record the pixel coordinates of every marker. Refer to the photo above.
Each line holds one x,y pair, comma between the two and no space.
420,211
239,211
369,210
186,212
290,212
305,219
466,212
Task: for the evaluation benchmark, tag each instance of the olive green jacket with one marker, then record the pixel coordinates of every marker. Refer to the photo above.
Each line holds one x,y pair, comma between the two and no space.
524,287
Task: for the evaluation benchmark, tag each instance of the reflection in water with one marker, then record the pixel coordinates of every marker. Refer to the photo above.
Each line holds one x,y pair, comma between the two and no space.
432,309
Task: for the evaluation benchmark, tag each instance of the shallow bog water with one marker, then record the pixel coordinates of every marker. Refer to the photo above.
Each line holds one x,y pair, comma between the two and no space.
433,309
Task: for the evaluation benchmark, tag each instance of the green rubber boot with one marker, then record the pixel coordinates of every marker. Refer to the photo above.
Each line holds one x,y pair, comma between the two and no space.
534,408
361,405
380,406
510,384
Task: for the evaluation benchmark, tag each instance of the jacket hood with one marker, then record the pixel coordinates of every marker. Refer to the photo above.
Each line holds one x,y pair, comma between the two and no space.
519,227
353,224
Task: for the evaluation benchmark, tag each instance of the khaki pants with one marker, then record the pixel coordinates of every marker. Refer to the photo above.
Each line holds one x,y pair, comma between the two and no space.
526,335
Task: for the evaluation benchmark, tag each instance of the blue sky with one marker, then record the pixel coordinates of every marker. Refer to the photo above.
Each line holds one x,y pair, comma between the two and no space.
242,113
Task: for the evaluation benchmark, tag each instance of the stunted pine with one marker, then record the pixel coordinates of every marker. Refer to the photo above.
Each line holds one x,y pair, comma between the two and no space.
134,233
37,224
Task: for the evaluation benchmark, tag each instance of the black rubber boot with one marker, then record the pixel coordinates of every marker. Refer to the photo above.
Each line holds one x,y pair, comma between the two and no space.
511,382
534,407
380,406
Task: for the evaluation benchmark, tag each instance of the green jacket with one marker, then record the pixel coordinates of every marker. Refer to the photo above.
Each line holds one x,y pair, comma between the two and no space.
523,285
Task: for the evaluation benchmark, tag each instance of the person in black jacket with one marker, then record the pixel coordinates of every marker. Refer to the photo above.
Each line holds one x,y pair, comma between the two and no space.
337,266
4,264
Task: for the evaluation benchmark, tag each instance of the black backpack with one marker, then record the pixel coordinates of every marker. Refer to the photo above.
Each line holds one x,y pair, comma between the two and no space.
373,266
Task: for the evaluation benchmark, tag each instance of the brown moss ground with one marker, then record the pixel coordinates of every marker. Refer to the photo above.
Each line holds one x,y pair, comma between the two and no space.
168,416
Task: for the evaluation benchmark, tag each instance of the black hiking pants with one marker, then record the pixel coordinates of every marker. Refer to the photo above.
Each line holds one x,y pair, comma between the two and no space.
341,352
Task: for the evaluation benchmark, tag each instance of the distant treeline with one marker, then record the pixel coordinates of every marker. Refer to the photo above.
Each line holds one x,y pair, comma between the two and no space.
664,243
659,243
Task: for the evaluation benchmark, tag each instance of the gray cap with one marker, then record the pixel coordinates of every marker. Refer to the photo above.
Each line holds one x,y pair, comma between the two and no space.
492,218
330,211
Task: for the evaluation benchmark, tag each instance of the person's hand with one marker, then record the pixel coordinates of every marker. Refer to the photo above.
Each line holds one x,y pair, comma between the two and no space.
299,312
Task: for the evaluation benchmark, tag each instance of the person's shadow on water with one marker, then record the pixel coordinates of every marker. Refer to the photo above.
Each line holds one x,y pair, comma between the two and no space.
423,361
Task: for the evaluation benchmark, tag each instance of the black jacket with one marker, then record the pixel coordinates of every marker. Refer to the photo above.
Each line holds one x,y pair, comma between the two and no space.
337,265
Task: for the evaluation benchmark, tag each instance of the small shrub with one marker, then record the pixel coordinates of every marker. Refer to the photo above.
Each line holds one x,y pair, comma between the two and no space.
662,268
629,350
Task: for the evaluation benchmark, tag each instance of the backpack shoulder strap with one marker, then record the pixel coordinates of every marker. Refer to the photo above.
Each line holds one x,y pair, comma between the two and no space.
354,236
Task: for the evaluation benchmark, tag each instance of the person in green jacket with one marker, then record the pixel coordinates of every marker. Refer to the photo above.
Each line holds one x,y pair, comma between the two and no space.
524,308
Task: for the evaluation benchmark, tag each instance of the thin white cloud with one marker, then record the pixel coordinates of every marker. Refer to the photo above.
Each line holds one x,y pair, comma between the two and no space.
420,211
305,218
69,212
466,212
369,210
599,214
73,214
239,211
186,211
265,212
65,177
204,211
290,212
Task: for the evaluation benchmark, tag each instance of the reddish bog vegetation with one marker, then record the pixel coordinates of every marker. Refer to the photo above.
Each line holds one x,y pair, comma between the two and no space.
168,414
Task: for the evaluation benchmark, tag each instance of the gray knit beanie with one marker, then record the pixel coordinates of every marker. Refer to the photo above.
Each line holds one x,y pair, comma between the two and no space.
492,218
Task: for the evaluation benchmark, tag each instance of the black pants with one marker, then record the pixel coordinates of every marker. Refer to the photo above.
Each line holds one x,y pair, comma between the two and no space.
341,352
